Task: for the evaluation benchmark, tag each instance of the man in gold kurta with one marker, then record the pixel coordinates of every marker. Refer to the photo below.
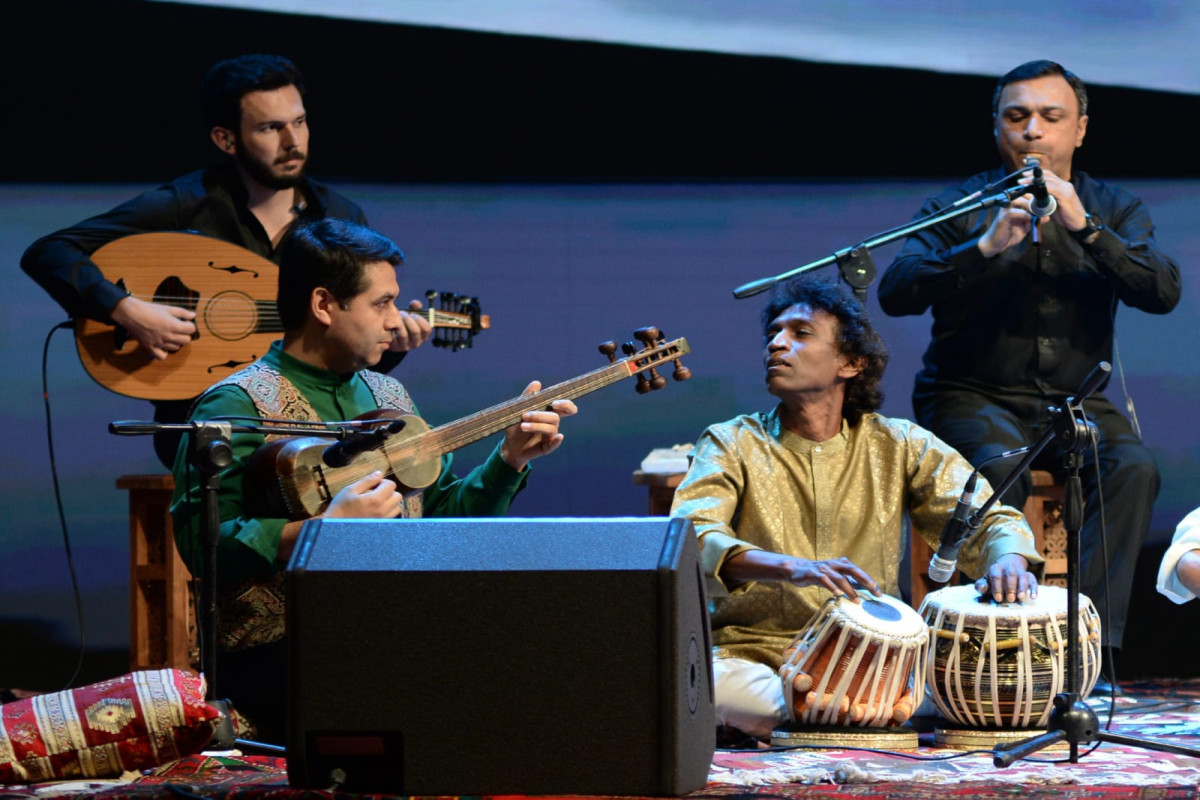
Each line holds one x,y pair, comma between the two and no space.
807,500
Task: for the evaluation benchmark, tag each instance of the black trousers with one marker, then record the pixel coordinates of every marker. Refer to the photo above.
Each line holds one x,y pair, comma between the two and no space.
980,425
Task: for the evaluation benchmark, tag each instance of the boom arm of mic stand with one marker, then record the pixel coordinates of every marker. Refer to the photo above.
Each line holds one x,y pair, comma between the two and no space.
139,428
976,517
856,274
211,453
1091,383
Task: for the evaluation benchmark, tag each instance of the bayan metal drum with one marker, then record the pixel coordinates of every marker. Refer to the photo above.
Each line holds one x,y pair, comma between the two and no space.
854,664
1001,665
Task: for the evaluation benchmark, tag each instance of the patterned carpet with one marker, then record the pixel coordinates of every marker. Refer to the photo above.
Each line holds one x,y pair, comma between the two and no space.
1163,712
1159,712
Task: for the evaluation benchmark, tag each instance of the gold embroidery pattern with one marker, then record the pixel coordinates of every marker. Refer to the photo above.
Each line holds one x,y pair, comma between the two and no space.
110,714
253,613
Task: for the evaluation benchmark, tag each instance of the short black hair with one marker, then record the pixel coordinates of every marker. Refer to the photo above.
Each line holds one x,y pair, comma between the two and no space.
326,253
1040,69
857,339
229,80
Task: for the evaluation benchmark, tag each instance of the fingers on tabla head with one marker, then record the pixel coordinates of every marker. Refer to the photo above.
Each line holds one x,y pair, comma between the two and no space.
884,637
1000,665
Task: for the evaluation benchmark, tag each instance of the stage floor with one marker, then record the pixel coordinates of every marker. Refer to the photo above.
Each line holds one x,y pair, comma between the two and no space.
1162,711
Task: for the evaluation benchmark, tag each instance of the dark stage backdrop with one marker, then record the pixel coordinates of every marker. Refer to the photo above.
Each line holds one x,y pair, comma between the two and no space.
106,90
559,268
580,190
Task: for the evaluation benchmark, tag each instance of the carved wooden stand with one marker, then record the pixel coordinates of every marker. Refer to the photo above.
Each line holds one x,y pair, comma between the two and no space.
161,617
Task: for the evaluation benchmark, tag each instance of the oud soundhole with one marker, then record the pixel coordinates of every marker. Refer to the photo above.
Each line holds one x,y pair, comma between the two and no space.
231,316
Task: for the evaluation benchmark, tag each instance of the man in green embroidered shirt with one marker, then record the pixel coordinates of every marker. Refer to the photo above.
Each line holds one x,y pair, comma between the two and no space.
337,302
807,500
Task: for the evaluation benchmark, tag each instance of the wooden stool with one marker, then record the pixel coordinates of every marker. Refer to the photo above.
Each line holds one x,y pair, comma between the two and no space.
661,486
161,618
1043,512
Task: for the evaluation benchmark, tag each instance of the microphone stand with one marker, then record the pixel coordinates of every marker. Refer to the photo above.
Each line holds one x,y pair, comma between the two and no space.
855,264
1071,718
210,452
1090,384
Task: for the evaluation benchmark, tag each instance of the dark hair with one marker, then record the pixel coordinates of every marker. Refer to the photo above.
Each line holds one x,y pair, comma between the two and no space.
229,80
326,253
856,337
1040,69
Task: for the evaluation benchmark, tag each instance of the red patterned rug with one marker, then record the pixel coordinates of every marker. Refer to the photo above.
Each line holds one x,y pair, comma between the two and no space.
1159,712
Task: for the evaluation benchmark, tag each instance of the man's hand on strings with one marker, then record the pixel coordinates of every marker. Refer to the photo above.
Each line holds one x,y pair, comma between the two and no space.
162,329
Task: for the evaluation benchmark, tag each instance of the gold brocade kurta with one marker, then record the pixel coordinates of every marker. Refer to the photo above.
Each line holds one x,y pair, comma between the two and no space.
754,485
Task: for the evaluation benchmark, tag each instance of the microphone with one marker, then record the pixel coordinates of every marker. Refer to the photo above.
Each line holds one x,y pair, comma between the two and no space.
343,452
1043,204
945,561
1092,382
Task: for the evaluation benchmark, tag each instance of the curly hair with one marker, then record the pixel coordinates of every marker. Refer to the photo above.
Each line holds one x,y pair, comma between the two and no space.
856,337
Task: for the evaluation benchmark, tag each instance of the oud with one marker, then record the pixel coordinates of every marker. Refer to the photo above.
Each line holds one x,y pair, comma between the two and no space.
291,478
232,292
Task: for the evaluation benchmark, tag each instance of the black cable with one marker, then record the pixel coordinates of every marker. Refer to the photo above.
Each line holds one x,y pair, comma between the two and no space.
191,560
62,517
1106,623
897,753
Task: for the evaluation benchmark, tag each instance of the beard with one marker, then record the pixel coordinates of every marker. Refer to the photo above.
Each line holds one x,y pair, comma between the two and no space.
263,173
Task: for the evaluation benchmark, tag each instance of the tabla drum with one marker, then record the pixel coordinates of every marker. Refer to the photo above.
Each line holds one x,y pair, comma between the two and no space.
854,664
1000,665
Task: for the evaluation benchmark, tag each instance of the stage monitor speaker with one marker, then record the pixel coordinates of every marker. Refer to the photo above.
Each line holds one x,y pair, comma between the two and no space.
499,656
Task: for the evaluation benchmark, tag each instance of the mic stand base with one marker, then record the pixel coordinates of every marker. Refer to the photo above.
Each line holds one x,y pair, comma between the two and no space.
1071,719
1074,721
210,453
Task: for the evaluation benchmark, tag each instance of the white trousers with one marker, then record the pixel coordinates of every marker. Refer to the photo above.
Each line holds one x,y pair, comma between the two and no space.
749,696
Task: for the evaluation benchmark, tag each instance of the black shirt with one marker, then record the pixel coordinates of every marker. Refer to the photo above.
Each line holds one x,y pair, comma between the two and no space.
1035,318
211,201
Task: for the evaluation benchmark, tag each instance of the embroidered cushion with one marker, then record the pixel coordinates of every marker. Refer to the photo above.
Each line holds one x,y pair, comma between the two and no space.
137,721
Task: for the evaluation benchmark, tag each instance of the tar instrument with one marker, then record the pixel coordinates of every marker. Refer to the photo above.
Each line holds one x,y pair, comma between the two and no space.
291,477
233,293
1001,664
854,664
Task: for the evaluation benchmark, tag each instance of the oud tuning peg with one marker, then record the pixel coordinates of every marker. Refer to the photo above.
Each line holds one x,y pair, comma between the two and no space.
647,336
655,380
430,296
643,383
609,349
681,373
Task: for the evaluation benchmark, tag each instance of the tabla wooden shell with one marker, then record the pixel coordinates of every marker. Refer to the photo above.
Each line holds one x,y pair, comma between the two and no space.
854,664
1000,665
